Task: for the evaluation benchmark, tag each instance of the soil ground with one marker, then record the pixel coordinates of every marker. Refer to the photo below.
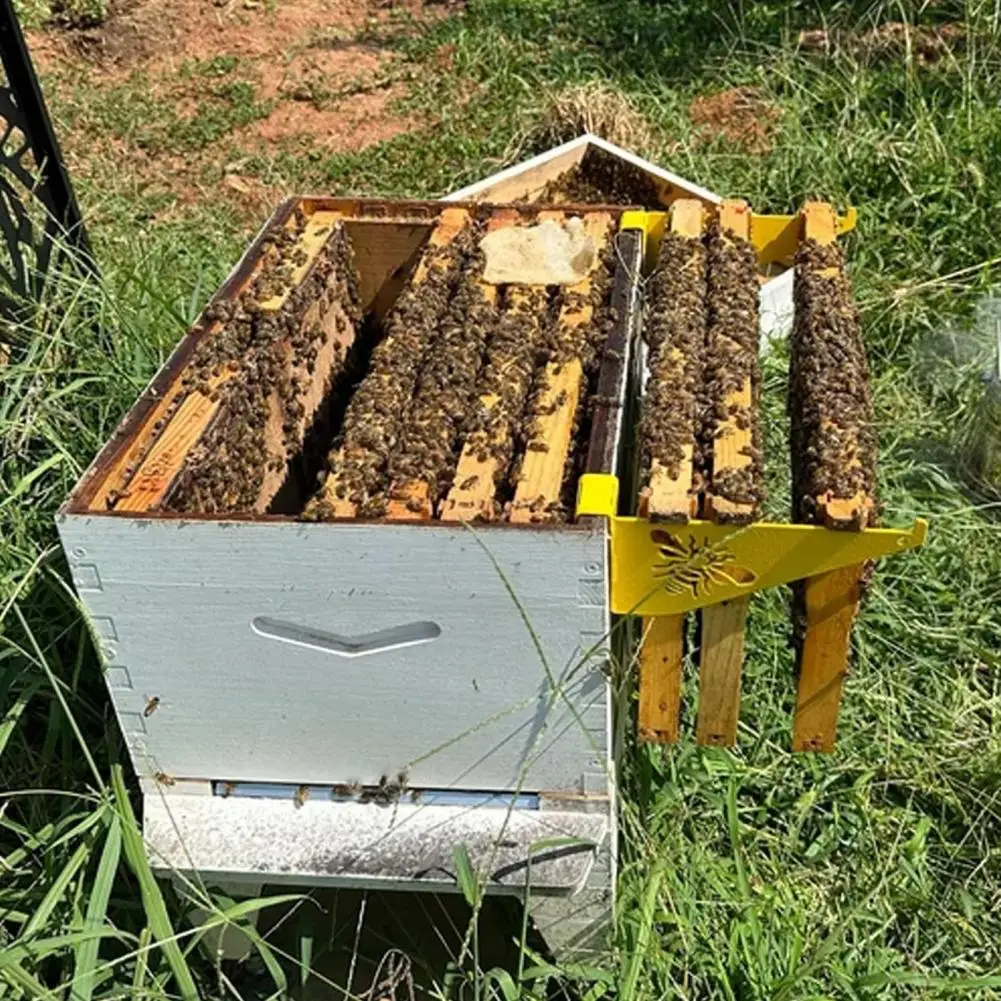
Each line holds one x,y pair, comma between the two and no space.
179,97
742,116
872,873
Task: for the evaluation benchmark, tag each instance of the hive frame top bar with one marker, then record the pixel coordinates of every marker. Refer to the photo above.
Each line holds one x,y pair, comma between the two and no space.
354,210
775,237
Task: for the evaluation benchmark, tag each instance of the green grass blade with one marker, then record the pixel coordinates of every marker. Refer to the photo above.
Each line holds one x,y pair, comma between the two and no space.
465,875
21,980
141,970
82,987
56,891
24,484
236,912
152,898
57,690
268,957
504,981
14,712
40,948
307,943
639,953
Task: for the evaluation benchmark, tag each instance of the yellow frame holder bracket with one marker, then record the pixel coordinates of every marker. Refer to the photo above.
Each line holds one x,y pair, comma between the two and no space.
775,237
659,568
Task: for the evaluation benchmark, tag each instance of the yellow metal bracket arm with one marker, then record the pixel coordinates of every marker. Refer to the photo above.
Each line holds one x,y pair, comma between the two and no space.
666,569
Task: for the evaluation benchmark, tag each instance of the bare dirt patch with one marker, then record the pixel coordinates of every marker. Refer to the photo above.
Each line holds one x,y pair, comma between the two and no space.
159,35
206,92
219,76
742,116
352,124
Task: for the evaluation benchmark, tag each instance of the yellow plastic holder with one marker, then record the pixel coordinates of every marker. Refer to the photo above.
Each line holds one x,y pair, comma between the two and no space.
660,568
775,237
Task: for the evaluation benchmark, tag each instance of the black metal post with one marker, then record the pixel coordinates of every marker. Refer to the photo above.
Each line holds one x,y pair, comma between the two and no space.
32,174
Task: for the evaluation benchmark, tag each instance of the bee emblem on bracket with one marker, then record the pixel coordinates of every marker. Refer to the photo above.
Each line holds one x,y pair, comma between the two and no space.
690,564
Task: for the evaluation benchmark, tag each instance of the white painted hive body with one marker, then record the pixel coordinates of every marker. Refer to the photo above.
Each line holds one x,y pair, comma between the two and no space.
262,667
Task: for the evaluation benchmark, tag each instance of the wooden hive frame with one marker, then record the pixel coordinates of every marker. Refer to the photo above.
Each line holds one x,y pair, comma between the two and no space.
673,498
668,498
678,498
139,469
830,601
722,644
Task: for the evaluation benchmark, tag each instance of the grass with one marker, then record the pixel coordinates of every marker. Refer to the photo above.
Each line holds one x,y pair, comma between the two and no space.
70,13
871,874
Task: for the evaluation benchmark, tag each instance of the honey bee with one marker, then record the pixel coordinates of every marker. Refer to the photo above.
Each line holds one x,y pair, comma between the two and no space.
162,778
346,789
300,796
152,703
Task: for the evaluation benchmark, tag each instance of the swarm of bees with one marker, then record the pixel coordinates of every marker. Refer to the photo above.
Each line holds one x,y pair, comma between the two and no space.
459,369
414,400
602,179
375,418
674,326
271,357
446,386
562,344
386,792
515,351
731,360
833,432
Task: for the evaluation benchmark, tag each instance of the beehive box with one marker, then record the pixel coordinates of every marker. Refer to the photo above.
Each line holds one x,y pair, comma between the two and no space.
280,681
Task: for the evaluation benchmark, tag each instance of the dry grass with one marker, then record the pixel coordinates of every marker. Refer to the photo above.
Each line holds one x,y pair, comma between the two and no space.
589,107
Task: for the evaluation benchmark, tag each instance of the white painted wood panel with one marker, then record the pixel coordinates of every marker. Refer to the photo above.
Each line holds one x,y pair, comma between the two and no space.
376,847
472,707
